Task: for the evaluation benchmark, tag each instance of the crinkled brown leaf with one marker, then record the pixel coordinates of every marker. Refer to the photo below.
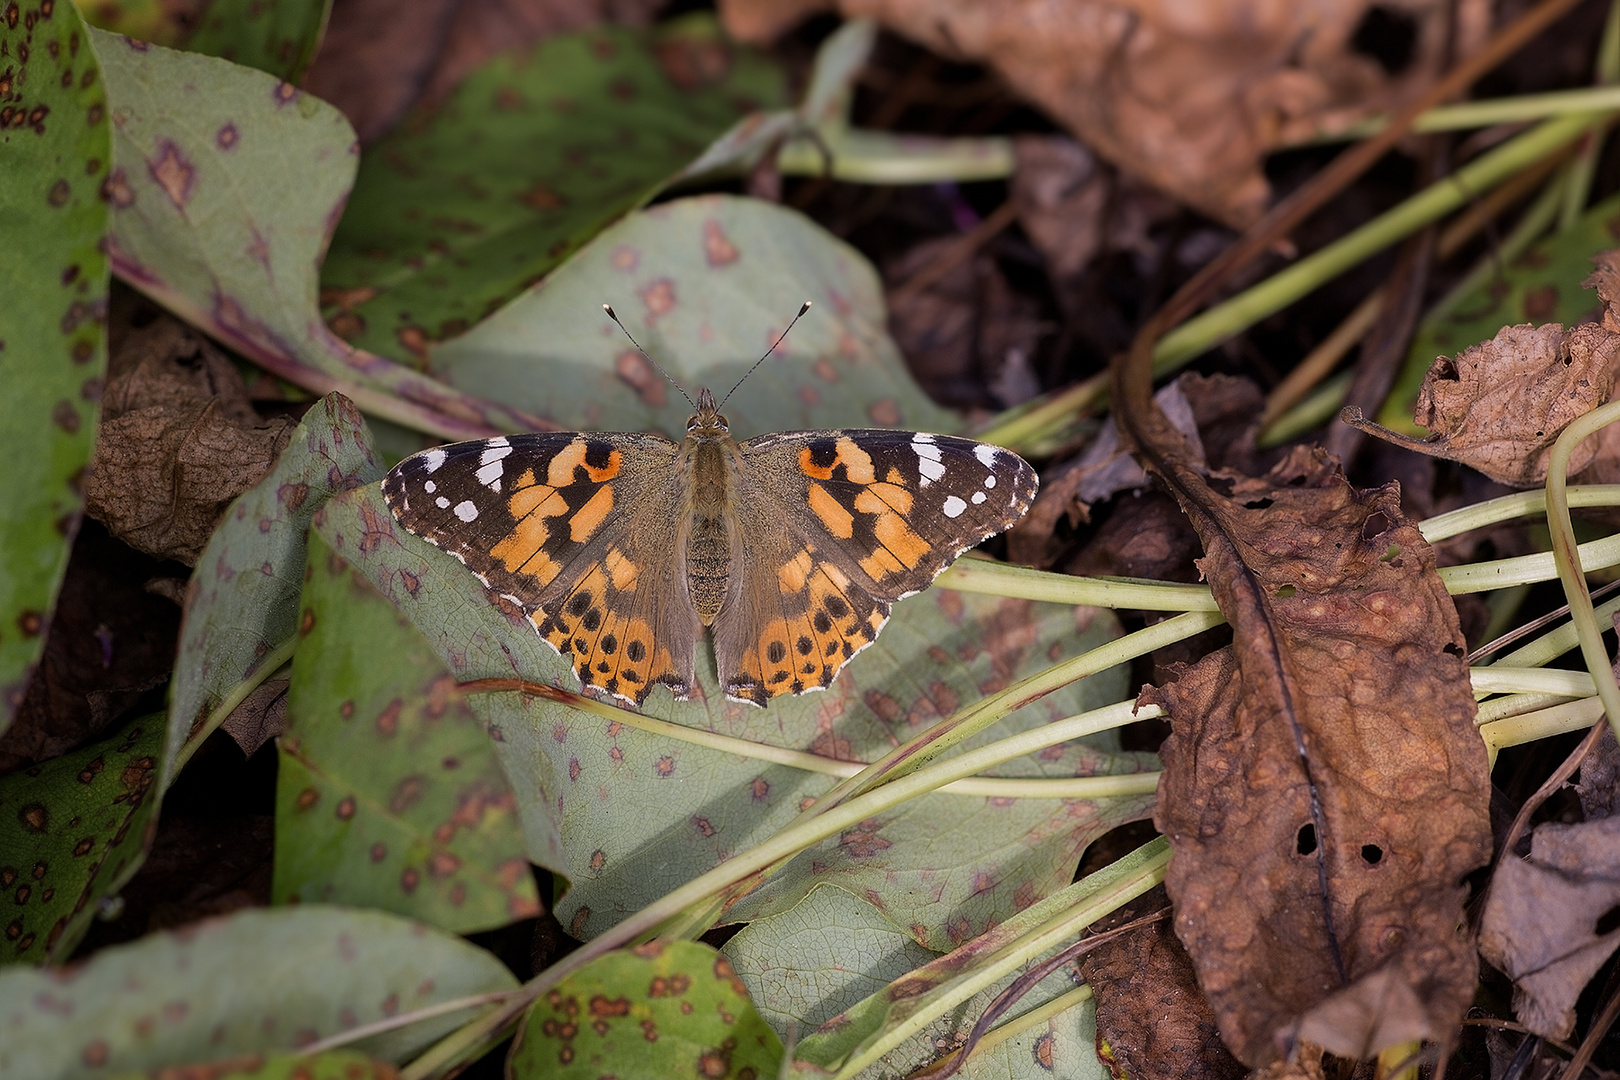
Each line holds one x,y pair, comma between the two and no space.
1540,924
1189,97
179,440
1149,1008
1499,405
1599,785
1324,789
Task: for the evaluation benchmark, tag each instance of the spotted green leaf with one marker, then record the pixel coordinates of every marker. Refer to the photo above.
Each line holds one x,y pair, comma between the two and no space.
389,793
1541,286
672,1011
225,188
628,814
243,600
55,143
469,203
706,285
256,982
330,1065
72,831
276,36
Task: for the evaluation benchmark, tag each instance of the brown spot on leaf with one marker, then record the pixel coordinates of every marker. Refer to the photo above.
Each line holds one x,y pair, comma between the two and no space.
345,808
658,298
59,193
33,817
307,798
227,137
116,190
409,880
718,250
174,173
66,417
387,722
884,412
378,852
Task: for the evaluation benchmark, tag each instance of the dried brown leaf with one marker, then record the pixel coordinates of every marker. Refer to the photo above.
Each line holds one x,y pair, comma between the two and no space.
1190,97
1599,785
1324,788
1541,919
178,441
262,716
1499,405
1149,1008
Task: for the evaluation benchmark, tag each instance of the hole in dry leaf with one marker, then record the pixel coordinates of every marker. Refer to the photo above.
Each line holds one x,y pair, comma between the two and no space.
1607,922
1374,525
1453,648
1305,842
1258,504
1285,592
1443,370
1388,36
1392,554
1540,434
1372,854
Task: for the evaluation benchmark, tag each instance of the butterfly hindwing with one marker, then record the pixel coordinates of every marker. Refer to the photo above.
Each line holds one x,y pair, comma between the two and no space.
545,522
833,526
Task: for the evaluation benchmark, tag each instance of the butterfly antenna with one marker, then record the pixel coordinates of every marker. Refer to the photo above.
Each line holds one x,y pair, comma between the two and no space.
614,316
768,352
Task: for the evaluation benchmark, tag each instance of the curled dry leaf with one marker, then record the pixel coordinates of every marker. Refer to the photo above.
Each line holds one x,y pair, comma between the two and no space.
179,440
1543,916
1500,405
1150,1011
1324,789
1189,97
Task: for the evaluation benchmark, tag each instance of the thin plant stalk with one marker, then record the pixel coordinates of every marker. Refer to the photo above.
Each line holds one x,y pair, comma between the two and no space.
1568,558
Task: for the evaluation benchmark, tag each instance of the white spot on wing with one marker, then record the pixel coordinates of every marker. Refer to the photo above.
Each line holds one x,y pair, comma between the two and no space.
978,498
432,459
430,487
990,481
465,510
442,503
929,462
953,507
987,454
490,475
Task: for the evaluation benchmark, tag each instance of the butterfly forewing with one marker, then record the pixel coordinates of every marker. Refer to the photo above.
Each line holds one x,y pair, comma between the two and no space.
574,530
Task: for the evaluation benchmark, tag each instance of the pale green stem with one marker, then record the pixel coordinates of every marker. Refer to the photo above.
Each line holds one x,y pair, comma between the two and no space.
1531,680
1019,582
1015,1027
1226,320
403,1020
1542,724
1500,708
1507,507
1578,186
1570,562
1525,569
965,723
1490,112
1554,643
879,157
1322,405
1151,859
740,868
269,664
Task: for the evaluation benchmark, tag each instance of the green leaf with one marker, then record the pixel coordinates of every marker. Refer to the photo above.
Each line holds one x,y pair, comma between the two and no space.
825,954
73,831
389,793
529,158
655,1012
56,144
1541,286
243,600
331,1065
225,188
254,982
706,285
628,815
279,37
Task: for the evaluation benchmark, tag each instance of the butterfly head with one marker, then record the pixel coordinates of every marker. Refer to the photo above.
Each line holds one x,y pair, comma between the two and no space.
708,421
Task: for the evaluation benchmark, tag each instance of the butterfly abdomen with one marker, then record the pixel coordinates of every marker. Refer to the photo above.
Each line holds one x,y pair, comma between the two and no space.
708,544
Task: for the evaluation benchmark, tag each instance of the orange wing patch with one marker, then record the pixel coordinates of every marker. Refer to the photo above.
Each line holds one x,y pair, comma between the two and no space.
610,650
804,650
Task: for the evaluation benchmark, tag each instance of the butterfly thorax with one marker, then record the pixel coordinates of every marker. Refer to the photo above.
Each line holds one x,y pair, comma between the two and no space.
707,446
